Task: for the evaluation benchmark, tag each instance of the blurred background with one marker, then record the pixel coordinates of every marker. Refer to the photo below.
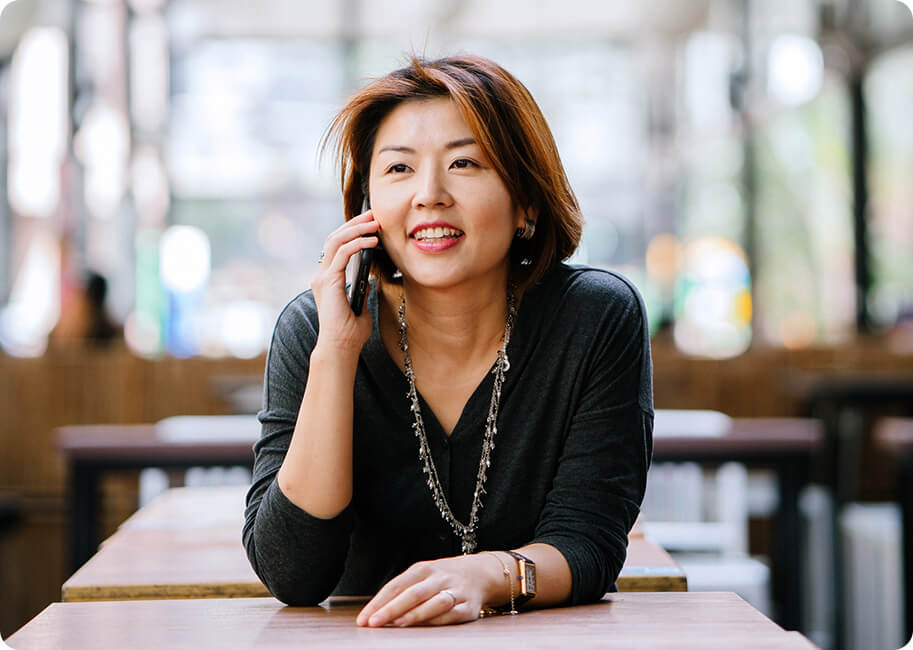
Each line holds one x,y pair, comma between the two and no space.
747,163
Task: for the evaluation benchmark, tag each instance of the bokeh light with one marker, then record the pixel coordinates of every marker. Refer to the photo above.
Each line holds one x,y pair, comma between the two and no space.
185,259
795,69
713,299
37,121
664,257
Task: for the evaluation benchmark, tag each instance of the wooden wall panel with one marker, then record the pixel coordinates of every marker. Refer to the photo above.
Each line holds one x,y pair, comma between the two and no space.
30,465
80,386
31,563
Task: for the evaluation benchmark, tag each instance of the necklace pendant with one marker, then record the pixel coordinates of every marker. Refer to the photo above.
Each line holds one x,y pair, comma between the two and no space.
465,532
469,543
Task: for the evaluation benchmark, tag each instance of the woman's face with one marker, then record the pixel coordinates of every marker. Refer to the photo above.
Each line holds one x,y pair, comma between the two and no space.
445,215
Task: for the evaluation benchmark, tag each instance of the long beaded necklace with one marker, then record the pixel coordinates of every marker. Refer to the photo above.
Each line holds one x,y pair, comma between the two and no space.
466,532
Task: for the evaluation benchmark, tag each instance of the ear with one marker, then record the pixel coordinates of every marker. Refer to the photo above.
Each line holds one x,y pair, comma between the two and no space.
522,214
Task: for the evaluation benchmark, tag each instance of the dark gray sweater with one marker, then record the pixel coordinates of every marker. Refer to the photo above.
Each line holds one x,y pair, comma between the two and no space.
569,468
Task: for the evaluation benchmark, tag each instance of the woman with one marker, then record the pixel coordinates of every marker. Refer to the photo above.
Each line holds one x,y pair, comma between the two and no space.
486,423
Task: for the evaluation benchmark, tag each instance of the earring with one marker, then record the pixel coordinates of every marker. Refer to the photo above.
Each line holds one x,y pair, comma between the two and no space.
527,231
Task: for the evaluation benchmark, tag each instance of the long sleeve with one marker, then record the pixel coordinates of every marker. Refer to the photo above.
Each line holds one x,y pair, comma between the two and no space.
602,470
299,558
574,444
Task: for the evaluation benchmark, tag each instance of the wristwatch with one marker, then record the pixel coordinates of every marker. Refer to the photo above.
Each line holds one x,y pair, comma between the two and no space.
527,578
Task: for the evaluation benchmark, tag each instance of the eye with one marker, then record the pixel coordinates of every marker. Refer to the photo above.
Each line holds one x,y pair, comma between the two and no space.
463,163
398,168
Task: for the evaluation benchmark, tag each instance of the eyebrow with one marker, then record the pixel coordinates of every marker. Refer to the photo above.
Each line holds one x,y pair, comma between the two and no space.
453,144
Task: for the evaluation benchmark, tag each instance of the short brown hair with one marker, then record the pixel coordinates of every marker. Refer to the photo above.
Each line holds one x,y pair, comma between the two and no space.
510,129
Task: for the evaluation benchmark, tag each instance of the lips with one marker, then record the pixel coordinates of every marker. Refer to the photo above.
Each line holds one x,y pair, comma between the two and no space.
435,232
435,237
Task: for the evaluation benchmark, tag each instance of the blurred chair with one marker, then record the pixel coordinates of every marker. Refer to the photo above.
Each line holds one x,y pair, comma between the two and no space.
818,579
241,393
873,594
701,517
154,481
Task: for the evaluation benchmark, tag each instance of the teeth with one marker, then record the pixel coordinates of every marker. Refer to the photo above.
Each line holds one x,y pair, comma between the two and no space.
437,233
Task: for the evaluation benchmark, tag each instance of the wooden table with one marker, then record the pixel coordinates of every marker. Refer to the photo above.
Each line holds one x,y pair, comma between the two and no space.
187,544
648,567
895,436
785,445
179,443
640,620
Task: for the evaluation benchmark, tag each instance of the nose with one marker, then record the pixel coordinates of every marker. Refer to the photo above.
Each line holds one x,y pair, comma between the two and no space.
432,190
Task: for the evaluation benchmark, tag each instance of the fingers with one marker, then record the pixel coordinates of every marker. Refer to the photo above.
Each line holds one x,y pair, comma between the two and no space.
459,613
439,606
356,222
344,252
405,591
435,592
389,591
420,603
348,232
385,607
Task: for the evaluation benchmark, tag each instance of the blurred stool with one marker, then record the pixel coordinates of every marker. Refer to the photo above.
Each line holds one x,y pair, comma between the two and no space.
701,518
873,565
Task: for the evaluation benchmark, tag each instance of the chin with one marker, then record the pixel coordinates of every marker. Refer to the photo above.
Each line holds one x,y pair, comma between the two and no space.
434,281
452,279
442,274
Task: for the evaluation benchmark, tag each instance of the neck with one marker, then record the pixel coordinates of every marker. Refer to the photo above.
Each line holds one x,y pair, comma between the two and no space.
459,322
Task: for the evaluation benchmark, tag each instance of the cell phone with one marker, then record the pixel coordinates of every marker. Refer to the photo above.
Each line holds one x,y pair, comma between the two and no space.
358,283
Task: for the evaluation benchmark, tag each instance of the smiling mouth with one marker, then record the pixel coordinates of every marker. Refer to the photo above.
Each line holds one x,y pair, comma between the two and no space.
436,234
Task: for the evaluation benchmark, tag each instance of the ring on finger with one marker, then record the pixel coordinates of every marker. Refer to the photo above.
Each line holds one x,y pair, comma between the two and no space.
452,597
322,255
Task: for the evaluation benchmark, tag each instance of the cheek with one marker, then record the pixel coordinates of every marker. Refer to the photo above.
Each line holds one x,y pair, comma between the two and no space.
500,217
389,207
391,228
386,214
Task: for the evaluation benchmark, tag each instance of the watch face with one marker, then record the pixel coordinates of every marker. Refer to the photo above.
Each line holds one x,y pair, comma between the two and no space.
530,573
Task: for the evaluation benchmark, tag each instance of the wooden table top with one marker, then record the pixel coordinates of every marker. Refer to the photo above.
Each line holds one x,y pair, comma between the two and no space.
226,438
203,507
187,544
231,437
762,436
640,620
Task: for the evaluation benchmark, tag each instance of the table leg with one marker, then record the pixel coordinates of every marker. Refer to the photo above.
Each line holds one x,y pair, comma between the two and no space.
787,544
84,525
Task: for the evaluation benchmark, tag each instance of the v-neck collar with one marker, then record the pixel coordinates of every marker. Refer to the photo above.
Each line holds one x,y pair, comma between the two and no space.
389,376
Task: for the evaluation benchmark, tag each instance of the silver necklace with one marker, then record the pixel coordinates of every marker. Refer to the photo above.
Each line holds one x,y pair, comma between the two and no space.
466,532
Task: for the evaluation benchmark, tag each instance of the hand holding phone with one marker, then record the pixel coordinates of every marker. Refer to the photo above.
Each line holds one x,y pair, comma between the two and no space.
358,285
